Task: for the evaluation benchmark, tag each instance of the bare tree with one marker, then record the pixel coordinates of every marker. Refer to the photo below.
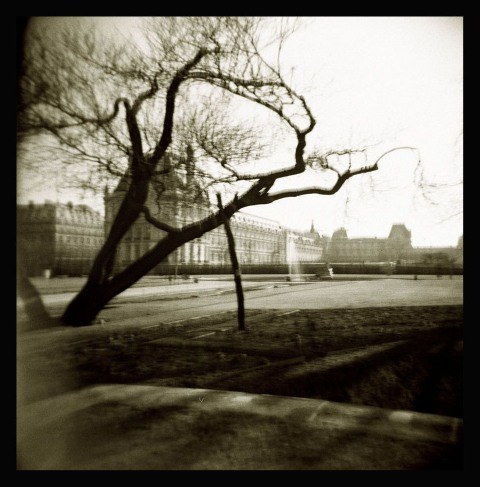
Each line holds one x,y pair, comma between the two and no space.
235,267
107,102
38,316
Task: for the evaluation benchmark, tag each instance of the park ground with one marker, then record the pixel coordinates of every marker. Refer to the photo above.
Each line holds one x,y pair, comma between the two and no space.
380,358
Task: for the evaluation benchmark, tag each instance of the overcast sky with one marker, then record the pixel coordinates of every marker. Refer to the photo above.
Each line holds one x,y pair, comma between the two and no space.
392,81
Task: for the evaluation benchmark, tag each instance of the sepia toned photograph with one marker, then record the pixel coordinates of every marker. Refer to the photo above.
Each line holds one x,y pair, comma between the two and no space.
239,243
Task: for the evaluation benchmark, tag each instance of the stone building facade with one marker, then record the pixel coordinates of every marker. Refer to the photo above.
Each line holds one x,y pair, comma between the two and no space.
305,247
63,239
397,246
58,238
176,200
263,241
258,240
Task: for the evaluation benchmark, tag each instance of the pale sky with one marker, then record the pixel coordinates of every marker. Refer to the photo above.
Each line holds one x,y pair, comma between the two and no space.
391,81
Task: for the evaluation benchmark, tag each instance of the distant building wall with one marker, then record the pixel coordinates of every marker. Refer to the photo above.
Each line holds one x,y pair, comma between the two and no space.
396,248
65,238
59,238
257,240
356,250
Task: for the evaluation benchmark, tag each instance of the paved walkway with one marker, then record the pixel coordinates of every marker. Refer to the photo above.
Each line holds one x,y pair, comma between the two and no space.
138,427
176,290
62,291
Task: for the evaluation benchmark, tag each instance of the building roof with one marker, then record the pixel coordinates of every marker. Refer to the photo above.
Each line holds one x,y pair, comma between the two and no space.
181,177
340,233
400,231
50,211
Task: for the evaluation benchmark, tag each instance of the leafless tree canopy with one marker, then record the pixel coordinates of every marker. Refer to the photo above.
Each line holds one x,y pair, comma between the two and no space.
212,86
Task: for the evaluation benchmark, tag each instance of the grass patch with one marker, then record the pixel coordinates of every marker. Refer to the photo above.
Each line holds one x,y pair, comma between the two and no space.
393,357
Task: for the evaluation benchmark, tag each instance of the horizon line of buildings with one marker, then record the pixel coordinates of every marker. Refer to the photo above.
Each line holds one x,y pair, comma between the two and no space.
64,238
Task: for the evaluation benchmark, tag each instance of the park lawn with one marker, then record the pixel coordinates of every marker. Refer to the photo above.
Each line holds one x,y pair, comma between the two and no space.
392,357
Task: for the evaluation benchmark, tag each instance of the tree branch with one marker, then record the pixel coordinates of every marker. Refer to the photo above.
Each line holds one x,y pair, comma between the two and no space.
269,198
248,89
43,124
179,77
265,198
145,96
157,223
135,136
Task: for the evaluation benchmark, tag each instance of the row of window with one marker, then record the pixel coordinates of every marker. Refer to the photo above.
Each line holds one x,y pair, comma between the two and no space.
133,252
80,219
249,243
244,258
91,230
138,232
68,239
241,220
144,232
79,240
36,214
43,218
355,251
87,259
194,251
